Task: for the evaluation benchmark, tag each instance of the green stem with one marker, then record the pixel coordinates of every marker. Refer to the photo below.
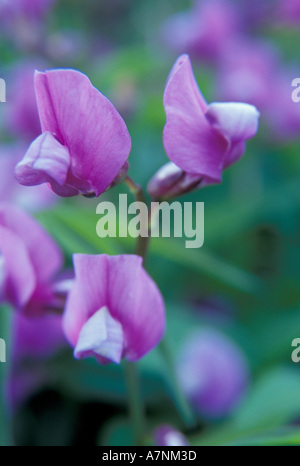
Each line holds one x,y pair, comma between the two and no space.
135,403
183,406
143,242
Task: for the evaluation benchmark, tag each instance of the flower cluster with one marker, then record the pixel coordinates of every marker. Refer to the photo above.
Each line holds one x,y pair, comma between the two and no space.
113,309
109,308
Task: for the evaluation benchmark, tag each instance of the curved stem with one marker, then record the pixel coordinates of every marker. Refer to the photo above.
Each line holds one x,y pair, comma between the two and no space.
143,242
183,407
135,403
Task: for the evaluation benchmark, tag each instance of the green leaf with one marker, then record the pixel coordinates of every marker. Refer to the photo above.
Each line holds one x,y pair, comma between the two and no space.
207,264
273,402
89,381
223,220
116,433
284,438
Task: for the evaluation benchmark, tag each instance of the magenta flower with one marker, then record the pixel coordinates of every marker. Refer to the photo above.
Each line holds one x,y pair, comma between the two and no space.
200,139
35,340
30,9
247,73
33,199
23,117
29,264
167,436
114,309
85,143
213,373
203,31
289,11
252,72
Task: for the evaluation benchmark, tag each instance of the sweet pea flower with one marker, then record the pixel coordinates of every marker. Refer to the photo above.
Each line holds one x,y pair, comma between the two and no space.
255,13
23,22
35,340
252,72
167,436
272,13
201,140
204,30
22,113
29,264
213,373
289,11
30,9
33,199
85,142
114,309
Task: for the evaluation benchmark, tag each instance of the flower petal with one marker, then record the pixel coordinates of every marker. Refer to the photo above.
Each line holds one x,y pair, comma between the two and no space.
235,153
45,160
87,295
190,141
236,121
18,275
121,284
44,254
82,119
102,336
136,302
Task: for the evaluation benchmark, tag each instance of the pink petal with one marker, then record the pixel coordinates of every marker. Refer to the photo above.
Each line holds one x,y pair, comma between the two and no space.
102,336
88,294
135,300
82,119
45,160
37,338
190,141
18,275
235,153
132,298
165,179
236,121
44,254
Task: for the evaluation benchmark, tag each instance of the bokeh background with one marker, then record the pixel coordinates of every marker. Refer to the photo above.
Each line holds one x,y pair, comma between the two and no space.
242,286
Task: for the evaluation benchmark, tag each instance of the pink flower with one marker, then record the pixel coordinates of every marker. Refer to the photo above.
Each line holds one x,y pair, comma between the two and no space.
37,338
31,9
204,30
23,117
213,373
201,140
114,309
34,340
167,436
29,264
252,72
34,198
247,73
289,11
85,143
